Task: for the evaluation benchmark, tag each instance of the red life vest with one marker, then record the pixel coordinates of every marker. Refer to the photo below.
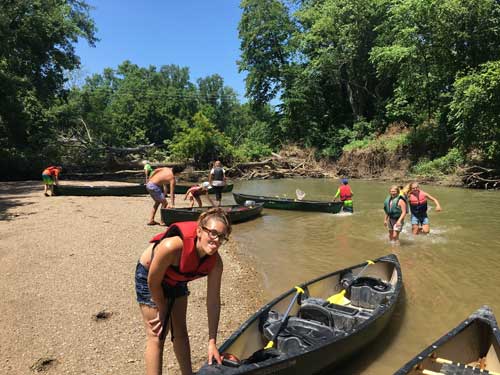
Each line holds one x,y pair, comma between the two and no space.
418,203
190,266
51,171
345,193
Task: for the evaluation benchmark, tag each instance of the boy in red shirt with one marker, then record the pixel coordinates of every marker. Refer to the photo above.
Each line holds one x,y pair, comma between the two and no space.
50,176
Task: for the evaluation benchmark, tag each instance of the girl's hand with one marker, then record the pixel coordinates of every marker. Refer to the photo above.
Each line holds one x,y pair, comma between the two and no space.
385,223
213,352
156,325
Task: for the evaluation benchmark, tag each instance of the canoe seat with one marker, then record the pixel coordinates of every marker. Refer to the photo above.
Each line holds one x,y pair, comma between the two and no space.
338,317
369,292
298,334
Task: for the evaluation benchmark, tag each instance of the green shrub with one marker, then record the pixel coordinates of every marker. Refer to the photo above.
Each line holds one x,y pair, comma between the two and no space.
441,166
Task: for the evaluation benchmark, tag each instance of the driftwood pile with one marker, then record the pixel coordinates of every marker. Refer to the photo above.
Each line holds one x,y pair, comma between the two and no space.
481,178
287,164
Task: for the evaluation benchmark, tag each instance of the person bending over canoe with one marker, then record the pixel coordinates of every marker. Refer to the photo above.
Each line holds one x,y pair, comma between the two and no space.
157,189
395,211
186,251
418,208
345,193
195,192
50,177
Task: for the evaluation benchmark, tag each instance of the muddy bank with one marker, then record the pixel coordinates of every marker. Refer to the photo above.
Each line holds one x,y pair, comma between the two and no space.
66,281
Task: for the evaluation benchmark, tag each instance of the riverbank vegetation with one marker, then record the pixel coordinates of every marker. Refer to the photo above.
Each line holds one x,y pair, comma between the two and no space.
369,85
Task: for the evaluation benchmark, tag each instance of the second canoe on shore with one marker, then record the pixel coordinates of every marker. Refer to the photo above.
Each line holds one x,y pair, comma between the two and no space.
236,213
100,190
119,190
290,204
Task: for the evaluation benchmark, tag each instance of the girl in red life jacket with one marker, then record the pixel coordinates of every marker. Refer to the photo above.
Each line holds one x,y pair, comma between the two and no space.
418,208
186,251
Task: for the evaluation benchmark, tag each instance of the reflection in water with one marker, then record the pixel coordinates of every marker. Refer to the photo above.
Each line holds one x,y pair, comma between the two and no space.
447,274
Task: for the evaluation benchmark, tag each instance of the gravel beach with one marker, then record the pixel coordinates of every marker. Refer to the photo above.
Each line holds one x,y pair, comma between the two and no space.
67,288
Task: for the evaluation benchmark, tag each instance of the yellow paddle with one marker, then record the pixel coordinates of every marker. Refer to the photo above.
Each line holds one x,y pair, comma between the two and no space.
270,344
339,298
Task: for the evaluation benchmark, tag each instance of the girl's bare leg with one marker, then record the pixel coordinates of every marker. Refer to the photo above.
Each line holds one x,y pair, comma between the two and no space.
153,356
182,348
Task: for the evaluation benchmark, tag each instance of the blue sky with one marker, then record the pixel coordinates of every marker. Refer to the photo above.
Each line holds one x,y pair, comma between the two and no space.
199,34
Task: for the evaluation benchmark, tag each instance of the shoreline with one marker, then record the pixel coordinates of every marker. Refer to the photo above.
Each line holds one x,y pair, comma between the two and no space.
65,260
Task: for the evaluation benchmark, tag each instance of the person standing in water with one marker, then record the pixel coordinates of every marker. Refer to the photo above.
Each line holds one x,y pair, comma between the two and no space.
157,189
395,212
217,179
418,208
186,251
345,193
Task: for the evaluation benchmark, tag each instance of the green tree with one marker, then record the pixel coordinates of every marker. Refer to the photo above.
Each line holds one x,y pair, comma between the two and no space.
37,46
475,112
265,30
423,45
200,141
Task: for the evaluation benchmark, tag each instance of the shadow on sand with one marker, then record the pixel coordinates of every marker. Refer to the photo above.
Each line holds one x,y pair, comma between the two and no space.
11,194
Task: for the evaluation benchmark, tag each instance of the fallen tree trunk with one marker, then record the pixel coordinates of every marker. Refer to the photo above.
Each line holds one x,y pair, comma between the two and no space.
481,178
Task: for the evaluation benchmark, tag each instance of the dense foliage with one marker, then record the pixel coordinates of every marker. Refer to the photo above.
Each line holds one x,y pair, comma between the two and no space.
329,74
338,66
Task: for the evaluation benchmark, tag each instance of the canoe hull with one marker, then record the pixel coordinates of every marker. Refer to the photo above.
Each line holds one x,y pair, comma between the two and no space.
100,190
476,337
236,213
323,358
290,204
118,190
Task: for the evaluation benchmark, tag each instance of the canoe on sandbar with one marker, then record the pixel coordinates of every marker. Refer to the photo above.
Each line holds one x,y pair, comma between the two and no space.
290,204
321,329
100,190
236,213
473,347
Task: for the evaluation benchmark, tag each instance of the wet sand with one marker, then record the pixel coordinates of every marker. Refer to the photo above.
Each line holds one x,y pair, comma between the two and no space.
65,259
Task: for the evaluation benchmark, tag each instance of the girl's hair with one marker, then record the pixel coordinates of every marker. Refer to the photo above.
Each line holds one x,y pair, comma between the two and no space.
394,187
216,213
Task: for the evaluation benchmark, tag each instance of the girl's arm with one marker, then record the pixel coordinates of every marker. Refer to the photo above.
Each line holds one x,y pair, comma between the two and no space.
213,309
436,202
165,255
172,192
402,205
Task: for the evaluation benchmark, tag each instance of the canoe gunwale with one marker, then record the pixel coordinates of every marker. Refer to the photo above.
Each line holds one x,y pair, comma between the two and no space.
379,313
100,190
192,214
290,204
483,314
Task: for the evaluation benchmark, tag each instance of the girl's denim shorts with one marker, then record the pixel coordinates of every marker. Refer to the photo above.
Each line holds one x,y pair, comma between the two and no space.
142,289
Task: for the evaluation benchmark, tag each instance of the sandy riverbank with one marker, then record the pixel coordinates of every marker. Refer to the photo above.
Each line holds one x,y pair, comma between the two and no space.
65,259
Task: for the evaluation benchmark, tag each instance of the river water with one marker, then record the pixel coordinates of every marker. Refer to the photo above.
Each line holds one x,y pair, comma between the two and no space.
447,274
